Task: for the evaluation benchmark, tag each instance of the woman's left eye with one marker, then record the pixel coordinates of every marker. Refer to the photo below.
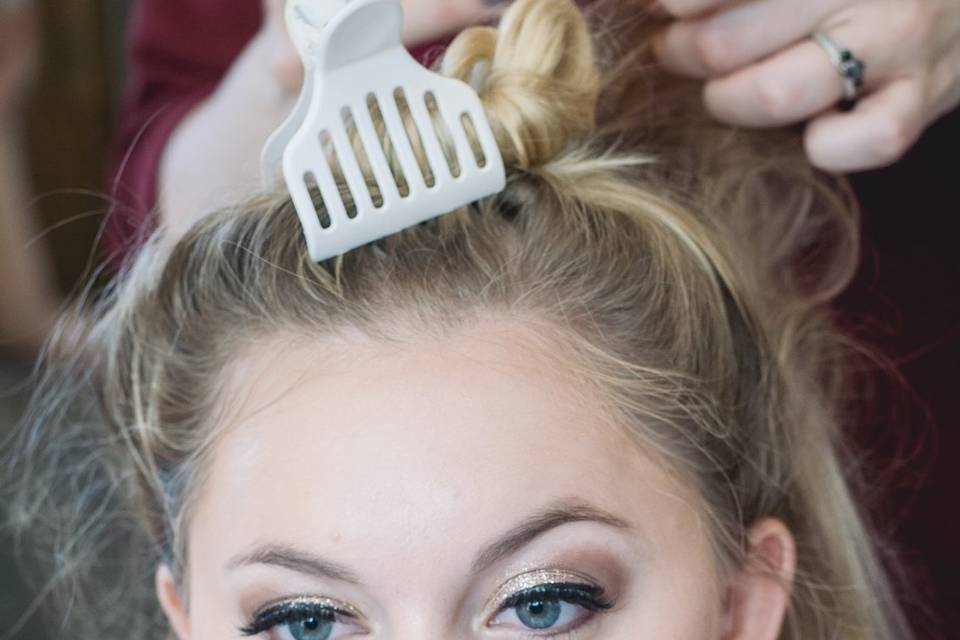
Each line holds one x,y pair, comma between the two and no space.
550,609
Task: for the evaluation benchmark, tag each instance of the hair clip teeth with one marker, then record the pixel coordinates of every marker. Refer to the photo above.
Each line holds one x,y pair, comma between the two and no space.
381,142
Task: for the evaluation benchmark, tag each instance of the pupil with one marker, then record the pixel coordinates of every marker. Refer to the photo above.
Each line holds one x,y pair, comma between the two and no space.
540,614
311,628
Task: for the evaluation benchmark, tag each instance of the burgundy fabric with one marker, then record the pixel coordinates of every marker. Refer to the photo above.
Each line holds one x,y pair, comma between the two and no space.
179,52
906,299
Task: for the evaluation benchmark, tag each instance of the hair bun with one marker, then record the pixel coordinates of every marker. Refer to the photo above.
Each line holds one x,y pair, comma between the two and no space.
536,76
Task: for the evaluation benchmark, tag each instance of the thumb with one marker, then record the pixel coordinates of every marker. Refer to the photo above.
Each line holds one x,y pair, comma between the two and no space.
426,20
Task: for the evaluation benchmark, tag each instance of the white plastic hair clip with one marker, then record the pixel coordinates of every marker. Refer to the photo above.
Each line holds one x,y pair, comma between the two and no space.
357,73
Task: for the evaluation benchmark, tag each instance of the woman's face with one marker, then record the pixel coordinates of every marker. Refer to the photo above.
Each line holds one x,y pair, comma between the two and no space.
460,487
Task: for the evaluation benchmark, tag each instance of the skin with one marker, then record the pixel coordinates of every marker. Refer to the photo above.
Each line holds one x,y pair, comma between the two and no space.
401,463
763,70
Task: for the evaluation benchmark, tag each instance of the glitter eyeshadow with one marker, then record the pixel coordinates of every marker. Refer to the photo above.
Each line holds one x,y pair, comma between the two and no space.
303,602
539,578
290,610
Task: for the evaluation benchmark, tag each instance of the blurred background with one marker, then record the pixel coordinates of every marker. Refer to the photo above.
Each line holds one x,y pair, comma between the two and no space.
70,118
62,61
57,120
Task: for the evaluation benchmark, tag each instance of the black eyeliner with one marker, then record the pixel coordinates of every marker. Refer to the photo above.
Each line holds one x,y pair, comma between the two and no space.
589,597
293,611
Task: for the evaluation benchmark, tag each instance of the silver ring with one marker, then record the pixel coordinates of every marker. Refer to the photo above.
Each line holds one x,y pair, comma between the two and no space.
851,68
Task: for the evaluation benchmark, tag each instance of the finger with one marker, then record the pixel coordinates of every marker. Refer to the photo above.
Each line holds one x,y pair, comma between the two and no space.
877,133
944,86
744,33
283,60
287,70
426,20
273,11
690,8
800,81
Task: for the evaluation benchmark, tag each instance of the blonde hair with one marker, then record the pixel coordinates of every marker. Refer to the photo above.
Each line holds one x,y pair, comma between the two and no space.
686,265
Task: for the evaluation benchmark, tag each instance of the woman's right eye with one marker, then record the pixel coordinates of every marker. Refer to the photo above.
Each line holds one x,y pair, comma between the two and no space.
310,628
303,620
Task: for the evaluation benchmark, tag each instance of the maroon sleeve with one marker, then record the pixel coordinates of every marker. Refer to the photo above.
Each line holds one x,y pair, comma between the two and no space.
179,52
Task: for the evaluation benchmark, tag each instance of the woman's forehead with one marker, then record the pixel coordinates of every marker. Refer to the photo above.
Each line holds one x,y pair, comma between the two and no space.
448,410
446,443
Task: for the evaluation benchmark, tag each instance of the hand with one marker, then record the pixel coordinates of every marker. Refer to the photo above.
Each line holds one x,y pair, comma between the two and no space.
762,69
424,20
18,56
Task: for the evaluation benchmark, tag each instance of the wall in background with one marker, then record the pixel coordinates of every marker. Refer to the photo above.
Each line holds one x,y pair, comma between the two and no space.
71,123
71,120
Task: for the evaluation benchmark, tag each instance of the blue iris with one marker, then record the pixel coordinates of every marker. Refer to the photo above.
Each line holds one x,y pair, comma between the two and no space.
539,614
311,628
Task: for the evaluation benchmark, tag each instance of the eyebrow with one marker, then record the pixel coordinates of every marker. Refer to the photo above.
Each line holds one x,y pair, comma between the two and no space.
556,515
287,557
522,534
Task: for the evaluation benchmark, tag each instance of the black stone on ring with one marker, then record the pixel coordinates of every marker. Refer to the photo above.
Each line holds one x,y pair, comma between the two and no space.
851,69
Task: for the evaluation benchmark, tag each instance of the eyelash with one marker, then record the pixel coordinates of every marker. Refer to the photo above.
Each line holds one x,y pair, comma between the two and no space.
589,597
291,613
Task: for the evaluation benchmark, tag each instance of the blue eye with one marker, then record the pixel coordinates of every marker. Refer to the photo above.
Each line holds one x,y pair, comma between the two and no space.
551,607
540,614
302,619
311,628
